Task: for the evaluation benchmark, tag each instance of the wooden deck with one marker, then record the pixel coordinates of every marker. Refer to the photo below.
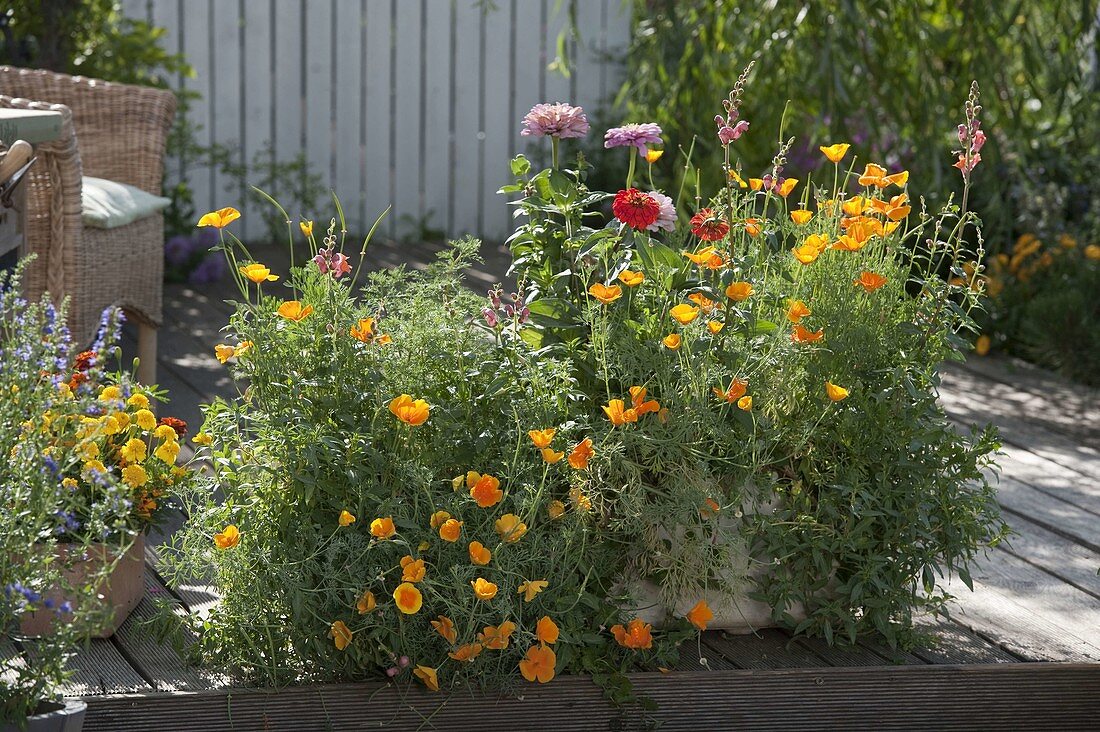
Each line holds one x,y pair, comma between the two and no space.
1023,649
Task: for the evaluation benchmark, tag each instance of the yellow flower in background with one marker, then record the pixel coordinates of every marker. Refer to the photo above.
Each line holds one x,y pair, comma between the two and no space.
700,615
753,227
134,476
224,352
538,664
366,603
484,590
408,598
165,433
618,414
446,628
834,392
486,490
551,456
542,438
605,294
796,311
69,483
854,206
221,218
739,291
450,530
466,652
672,341
872,174
111,425
412,570
110,394
509,528
631,279
684,313
652,155
257,273
802,335
756,184
736,390
306,226
294,310
736,178
346,518
546,630
202,439
496,638
580,500
581,454
427,676
982,345
167,452
1092,251
706,257
530,588
138,400
227,538
786,187
479,555
835,153
555,509
715,326
438,518
134,451
382,528
412,413
637,634
806,254
145,419
801,216
870,281
341,635
745,403
641,405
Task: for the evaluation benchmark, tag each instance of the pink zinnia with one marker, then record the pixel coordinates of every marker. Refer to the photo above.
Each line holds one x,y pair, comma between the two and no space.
666,219
555,120
638,135
635,209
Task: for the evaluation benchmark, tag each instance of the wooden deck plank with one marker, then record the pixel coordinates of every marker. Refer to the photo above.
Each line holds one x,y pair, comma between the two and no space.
893,656
843,656
994,696
952,644
1051,478
766,649
1055,515
10,660
698,656
98,669
1067,560
197,598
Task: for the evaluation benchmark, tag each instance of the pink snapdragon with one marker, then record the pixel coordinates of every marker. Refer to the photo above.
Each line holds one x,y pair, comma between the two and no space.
971,136
329,261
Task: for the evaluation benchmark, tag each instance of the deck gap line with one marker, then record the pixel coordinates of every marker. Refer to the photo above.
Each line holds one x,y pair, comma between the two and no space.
1045,570
126,656
1053,529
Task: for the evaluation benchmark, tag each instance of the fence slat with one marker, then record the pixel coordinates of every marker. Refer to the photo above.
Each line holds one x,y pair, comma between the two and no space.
347,77
438,121
289,88
257,130
467,98
195,44
408,57
377,107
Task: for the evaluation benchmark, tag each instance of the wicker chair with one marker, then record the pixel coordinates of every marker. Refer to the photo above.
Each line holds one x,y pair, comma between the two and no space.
113,131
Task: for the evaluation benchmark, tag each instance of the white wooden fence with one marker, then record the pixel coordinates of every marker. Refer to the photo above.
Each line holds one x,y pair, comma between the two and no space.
414,104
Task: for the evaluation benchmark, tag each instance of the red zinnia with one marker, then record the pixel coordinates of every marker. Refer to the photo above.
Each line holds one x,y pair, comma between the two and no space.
84,360
635,208
177,424
709,227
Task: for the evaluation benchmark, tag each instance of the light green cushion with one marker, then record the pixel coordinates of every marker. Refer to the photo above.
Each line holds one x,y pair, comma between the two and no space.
108,205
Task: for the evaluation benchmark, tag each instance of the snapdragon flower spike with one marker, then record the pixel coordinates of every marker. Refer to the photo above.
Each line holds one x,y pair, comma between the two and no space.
971,136
329,261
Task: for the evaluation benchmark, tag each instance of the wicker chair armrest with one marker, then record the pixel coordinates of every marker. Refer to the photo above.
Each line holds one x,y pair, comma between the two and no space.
123,129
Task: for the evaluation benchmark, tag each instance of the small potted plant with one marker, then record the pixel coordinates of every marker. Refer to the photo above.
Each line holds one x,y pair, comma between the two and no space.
78,490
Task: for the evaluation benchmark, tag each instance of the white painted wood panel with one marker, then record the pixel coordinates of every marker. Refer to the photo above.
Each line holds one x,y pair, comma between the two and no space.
410,103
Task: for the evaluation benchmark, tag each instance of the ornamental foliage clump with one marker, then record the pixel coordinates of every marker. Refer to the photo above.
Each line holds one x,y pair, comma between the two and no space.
685,402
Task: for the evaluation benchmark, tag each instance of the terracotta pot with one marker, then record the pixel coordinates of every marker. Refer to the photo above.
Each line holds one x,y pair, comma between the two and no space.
120,592
53,717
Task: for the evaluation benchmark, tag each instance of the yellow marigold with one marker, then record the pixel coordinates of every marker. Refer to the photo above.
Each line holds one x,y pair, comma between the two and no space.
555,509
631,279
801,216
294,310
203,439
700,615
134,476
739,291
834,392
438,518
486,491
672,341
446,628
466,652
110,394
413,413
538,664
228,537
684,313
605,294
408,598
145,419
346,518
382,528
366,603
427,676
167,452
496,637
510,528
412,570
542,438
257,273
134,451
111,425
636,635
221,218
95,465
450,530
484,590
530,588
165,433
581,454
341,635
69,483
835,153
546,630
479,555
138,400
124,420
